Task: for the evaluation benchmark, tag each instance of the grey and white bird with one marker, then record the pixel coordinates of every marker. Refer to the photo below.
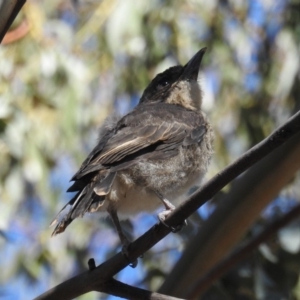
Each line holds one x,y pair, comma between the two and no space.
156,152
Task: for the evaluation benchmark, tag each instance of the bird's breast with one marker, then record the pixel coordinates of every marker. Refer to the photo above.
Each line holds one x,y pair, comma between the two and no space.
173,177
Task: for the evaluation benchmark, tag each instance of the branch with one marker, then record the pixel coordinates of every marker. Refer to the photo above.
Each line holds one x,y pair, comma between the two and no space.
93,280
252,156
9,9
236,212
241,253
120,289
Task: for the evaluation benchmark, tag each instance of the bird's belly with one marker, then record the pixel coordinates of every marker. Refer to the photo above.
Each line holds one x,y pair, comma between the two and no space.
129,198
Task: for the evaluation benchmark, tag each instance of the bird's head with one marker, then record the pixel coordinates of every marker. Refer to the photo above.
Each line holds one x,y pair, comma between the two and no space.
177,85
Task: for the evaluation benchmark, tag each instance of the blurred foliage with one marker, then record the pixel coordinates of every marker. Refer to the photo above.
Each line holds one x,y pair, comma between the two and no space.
83,59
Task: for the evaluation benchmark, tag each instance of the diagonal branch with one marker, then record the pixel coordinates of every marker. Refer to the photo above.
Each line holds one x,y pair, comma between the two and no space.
93,280
9,9
241,253
236,212
117,288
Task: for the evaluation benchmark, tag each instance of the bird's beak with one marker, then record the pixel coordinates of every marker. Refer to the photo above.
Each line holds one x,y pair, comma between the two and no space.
191,69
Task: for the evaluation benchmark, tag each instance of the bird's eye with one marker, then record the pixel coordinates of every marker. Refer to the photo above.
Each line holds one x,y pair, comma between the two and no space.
162,84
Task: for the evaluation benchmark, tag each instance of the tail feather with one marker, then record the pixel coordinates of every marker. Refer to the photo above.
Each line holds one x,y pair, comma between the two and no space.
88,199
70,203
61,226
62,222
77,209
82,204
96,201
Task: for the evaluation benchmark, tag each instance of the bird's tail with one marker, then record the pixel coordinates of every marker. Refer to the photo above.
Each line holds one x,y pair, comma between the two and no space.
87,199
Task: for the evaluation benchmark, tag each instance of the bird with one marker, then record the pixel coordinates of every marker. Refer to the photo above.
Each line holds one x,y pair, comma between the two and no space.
152,155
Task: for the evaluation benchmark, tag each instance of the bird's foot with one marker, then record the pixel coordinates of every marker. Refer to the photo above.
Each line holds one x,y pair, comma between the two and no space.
169,208
164,214
125,252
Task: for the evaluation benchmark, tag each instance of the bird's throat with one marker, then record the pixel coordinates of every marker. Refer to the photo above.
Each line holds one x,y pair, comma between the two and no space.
186,94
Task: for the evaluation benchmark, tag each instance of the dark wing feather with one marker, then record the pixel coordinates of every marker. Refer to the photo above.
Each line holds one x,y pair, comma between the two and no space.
137,133
125,144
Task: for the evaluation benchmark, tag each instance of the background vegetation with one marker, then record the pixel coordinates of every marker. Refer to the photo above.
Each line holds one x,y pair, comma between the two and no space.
79,61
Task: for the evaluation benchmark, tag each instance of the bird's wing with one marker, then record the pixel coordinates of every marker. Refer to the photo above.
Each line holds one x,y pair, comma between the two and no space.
151,135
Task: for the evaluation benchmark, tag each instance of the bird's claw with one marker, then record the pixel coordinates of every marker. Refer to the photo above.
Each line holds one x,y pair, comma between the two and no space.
162,217
125,252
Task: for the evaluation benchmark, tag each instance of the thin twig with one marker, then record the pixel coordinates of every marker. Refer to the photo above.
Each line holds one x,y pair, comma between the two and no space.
120,289
93,280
